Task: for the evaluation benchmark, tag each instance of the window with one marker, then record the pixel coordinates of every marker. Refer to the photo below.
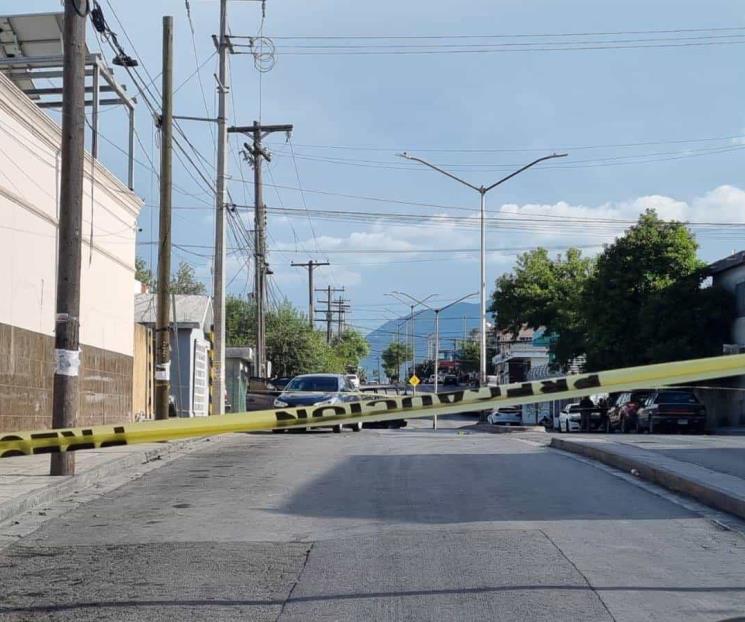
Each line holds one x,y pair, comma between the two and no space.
740,299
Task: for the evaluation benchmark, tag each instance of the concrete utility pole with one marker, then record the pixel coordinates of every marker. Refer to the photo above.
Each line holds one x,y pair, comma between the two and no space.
163,315
482,190
310,266
218,287
257,153
66,395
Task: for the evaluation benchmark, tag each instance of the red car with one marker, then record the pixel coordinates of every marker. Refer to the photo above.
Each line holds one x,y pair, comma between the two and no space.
622,415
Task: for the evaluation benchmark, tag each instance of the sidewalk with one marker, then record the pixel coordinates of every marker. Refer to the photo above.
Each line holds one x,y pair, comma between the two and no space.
25,481
708,469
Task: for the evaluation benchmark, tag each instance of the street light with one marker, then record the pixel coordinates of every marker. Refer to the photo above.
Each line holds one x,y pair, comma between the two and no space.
397,296
437,334
482,190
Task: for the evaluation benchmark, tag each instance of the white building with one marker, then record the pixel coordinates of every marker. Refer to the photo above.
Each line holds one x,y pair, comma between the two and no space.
29,210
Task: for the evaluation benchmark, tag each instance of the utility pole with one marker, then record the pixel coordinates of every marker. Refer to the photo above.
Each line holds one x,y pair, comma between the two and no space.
329,311
310,266
163,315
257,153
341,309
218,287
66,396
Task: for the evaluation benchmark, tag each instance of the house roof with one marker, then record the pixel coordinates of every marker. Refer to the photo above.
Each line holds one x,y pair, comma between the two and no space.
727,263
191,310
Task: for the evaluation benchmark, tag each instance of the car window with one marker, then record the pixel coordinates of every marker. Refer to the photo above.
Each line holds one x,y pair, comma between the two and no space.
676,397
313,383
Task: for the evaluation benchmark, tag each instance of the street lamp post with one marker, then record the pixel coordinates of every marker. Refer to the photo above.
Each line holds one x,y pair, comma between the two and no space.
437,334
482,190
397,296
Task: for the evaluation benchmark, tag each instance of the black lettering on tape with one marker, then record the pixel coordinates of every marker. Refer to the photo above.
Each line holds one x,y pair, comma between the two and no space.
113,443
118,430
40,435
356,408
388,404
335,410
77,446
12,453
524,390
554,386
587,383
11,438
46,450
493,392
450,398
422,400
71,434
282,415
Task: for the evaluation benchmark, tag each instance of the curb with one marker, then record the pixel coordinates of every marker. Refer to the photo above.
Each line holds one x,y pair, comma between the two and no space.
490,428
717,498
64,486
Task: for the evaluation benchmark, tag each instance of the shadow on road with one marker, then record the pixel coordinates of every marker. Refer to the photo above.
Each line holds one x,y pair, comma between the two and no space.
477,487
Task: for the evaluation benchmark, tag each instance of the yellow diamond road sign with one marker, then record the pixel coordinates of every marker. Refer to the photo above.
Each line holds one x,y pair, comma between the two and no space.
414,380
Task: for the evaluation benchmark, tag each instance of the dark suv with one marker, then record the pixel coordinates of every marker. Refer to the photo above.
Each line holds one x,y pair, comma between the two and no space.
622,415
672,409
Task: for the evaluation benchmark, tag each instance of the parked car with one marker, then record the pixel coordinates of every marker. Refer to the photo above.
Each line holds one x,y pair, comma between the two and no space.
622,415
570,418
432,378
319,390
354,380
450,379
506,415
666,409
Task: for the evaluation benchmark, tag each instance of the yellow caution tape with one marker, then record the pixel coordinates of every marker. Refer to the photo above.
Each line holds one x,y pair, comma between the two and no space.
374,407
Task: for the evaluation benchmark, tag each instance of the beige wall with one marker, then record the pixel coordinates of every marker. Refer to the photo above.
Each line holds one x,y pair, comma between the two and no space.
29,182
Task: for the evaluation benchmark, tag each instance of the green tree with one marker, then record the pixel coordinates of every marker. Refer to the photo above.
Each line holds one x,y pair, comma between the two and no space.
185,281
350,348
393,357
240,322
142,273
643,303
545,291
469,356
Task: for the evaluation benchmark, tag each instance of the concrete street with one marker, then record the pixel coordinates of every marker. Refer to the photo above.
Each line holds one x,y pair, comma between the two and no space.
379,525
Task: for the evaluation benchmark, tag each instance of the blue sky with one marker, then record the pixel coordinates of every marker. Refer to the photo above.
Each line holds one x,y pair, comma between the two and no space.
353,112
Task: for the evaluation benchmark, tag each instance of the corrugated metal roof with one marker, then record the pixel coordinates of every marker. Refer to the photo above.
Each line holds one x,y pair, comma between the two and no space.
191,310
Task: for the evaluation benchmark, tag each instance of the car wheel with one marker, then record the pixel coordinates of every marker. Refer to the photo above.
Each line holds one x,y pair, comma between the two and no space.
337,429
356,427
279,431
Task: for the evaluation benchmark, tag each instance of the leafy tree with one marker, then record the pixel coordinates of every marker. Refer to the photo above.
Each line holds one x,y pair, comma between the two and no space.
393,357
469,356
546,292
648,272
142,273
240,322
185,281
350,348
294,347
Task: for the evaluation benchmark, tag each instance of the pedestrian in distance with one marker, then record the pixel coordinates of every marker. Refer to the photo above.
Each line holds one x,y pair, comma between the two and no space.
586,406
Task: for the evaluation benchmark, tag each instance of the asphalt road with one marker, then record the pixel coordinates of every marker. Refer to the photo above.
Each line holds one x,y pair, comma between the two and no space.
408,525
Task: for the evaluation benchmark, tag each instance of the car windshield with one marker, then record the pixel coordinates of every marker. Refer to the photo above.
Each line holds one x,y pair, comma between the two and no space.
313,383
639,396
676,397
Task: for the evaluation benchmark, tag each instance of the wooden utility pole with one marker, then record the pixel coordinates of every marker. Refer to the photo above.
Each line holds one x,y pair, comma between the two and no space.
163,315
258,153
310,266
66,395
329,311
218,285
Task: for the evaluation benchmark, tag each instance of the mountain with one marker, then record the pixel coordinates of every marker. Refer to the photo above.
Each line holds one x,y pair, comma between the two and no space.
455,323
